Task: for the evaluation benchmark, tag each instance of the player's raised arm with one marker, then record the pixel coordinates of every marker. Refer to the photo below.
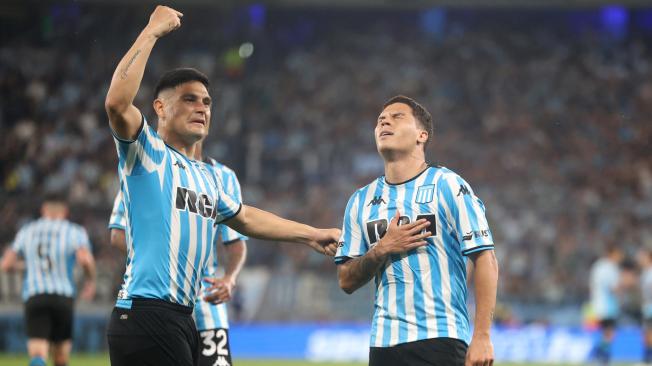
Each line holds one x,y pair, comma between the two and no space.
124,117
261,224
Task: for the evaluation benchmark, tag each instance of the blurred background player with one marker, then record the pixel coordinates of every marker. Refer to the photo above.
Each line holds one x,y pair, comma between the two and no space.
50,247
163,187
605,284
644,258
412,229
211,319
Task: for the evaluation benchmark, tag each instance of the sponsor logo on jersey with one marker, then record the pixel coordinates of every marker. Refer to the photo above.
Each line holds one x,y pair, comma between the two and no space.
197,203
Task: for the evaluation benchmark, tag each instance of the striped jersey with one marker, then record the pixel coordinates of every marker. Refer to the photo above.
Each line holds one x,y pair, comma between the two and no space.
118,219
49,248
605,276
173,205
207,315
420,294
646,293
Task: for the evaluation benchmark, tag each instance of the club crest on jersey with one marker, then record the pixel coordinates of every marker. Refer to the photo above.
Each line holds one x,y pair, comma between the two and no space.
425,194
201,203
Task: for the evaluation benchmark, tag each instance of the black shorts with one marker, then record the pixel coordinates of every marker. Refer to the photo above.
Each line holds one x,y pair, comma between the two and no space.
153,332
215,347
49,317
427,352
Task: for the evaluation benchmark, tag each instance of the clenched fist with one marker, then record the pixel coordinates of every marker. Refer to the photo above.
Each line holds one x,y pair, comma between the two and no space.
163,21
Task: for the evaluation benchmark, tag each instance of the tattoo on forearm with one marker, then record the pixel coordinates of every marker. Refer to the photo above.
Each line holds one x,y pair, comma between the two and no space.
365,268
123,73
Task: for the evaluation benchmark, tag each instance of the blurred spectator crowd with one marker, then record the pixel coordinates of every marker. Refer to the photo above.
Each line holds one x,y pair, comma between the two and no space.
552,128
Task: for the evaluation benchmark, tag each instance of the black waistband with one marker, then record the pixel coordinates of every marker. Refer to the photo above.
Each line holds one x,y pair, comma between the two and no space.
160,304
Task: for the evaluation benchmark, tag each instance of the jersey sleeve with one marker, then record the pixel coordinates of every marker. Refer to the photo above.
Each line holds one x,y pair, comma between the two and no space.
465,214
143,155
80,239
118,219
352,242
232,187
228,205
19,242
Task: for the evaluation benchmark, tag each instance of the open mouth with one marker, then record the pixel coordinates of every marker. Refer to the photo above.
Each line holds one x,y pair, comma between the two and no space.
386,133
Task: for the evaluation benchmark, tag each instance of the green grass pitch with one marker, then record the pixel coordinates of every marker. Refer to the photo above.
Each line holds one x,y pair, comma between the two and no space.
103,360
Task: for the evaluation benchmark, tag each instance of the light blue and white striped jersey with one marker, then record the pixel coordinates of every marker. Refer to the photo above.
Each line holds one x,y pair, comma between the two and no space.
118,219
605,276
49,248
173,205
420,294
207,315
646,293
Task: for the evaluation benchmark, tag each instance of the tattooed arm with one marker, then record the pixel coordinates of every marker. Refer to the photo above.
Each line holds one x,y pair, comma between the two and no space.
124,117
356,272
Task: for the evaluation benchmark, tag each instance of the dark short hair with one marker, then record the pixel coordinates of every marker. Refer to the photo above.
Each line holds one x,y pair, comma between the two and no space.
179,76
55,197
420,113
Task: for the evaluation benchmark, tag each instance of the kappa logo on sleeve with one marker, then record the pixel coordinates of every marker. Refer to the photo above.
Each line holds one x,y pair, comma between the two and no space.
463,190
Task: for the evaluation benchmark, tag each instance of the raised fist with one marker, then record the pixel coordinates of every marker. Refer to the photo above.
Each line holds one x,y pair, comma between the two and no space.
163,21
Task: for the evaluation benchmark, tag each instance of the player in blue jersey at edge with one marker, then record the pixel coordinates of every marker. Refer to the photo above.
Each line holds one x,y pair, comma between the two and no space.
50,248
605,285
211,319
412,230
644,258
173,204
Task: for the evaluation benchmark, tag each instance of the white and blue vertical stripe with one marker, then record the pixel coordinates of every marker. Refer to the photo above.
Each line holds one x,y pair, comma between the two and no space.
207,315
604,280
49,248
118,219
420,294
646,293
167,246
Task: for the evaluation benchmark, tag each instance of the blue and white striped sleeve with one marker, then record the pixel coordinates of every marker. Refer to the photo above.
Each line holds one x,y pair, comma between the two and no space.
465,213
19,242
232,187
228,205
143,155
80,239
118,219
352,242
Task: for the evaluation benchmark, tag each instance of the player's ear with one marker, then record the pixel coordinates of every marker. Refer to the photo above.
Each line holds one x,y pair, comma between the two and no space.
422,137
159,108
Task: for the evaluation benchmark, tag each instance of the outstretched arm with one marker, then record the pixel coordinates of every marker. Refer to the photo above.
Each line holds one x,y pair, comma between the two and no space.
124,117
261,224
